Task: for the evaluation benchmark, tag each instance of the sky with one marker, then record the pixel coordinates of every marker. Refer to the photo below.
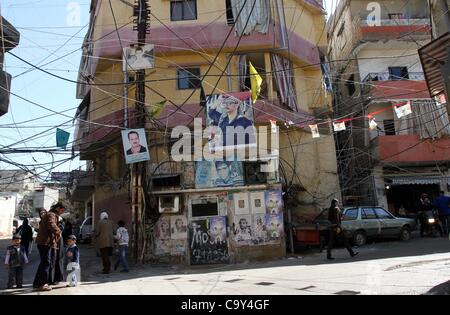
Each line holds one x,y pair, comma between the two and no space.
49,30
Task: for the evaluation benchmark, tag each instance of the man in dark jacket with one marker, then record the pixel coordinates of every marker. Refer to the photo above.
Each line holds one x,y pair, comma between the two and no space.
48,237
336,232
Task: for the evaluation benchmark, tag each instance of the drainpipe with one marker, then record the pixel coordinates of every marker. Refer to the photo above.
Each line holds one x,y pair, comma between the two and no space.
229,73
125,100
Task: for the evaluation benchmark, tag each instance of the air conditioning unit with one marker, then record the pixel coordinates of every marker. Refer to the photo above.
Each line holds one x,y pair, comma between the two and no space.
169,204
253,174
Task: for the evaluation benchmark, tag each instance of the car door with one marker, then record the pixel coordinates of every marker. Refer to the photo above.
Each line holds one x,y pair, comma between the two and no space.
350,221
389,226
370,222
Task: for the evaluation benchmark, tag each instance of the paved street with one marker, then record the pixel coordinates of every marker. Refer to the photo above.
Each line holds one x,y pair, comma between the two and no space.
384,267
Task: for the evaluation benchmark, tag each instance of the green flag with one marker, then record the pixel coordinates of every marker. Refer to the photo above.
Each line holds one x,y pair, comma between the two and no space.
62,137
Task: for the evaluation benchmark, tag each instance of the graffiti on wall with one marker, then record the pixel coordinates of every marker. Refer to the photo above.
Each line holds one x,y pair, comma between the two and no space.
208,241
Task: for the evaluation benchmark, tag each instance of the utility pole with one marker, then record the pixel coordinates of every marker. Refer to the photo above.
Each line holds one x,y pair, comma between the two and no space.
138,170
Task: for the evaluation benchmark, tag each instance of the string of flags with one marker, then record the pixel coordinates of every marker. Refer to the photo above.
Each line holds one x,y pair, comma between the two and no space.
401,110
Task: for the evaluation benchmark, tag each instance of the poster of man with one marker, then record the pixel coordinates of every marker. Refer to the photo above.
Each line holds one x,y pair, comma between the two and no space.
259,229
135,146
242,229
178,225
218,174
230,118
139,57
274,226
163,228
217,229
274,201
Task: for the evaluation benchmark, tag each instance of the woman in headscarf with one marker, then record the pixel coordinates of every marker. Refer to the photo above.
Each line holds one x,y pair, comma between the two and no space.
105,230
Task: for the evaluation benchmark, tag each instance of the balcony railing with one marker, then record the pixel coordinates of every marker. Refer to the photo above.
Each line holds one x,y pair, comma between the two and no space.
386,76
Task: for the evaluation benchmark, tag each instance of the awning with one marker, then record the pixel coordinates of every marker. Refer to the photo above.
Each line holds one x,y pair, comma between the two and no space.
419,180
432,57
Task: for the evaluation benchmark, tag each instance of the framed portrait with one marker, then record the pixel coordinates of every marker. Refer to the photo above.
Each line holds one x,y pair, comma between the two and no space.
135,147
241,205
139,57
257,202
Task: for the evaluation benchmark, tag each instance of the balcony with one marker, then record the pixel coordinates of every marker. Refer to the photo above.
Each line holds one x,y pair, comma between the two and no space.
386,76
410,150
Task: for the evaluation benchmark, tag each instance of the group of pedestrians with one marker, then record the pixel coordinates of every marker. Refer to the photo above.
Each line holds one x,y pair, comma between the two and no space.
58,251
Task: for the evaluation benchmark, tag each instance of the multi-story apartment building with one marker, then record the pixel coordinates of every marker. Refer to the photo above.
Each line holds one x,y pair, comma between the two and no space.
201,43
376,70
9,38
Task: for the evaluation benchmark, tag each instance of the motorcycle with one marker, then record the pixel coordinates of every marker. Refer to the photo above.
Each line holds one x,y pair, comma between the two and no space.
430,220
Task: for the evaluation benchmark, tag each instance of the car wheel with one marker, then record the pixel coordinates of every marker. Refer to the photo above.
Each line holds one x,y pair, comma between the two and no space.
359,238
405,234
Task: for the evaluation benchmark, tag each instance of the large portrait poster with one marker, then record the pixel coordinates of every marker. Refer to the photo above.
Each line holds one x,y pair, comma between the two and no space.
218,174
139,57
135,146
230,121
274,201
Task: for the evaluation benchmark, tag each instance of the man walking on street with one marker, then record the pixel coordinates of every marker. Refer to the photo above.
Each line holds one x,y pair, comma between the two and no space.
336,232
104,239
442,203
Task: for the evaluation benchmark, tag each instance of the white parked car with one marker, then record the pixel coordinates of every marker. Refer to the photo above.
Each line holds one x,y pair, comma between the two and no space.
86,234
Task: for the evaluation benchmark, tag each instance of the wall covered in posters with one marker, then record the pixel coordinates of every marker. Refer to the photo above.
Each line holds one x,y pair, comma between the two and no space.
171,234
264,222
210,174
208,241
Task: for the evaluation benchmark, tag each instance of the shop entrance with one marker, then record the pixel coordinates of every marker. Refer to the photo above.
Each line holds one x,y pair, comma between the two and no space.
409,196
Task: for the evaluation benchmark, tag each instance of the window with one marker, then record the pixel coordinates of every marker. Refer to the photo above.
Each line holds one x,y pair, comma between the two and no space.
204,207
368,213
188,78
350,214
382,214
230,17
398,73
183,10
389,127
395,16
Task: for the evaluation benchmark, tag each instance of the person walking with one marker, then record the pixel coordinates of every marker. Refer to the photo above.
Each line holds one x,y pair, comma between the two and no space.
47,239
336,232
442,203
104,240
122,238
26,233
57,258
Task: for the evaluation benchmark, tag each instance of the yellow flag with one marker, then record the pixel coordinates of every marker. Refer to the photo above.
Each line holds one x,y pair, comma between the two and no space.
256,81
156,109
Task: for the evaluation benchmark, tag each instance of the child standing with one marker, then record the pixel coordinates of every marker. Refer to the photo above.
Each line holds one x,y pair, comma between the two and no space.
122,238
72,261
16,257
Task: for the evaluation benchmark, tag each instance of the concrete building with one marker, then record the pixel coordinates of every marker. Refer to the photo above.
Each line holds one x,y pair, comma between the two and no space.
7,210
9,39
376,69
192,40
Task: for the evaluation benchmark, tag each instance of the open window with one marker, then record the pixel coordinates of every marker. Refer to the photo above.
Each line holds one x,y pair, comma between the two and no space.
204,207
230,16
169,204
258,62
398,73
